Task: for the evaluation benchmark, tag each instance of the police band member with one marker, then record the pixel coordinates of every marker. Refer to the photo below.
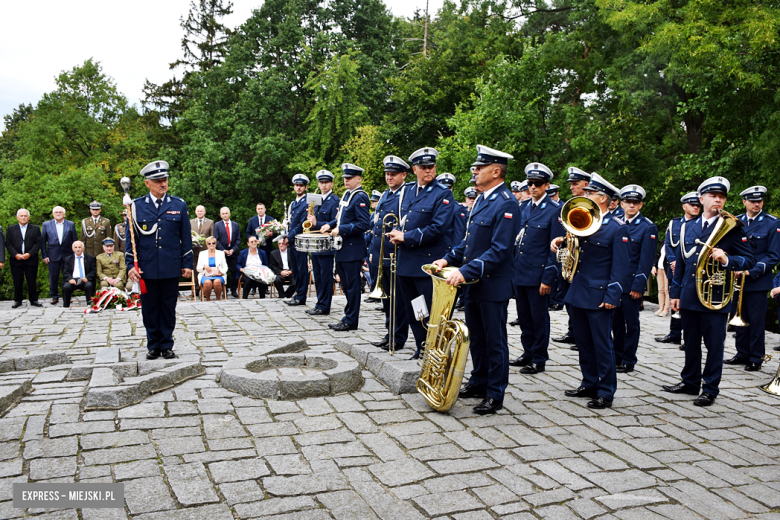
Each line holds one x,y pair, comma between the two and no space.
515,186
691,207
164,246
390,203
95,229
485,256
351,224
595,292
578,180
427,209
763,232
111,267
373,269
448,181
461,219
642,235
614,207
322,262
534,269
297,213
552,192
698,322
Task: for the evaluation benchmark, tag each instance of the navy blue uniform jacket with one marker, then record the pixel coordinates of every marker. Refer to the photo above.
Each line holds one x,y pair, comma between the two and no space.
461,219
603,270
534,262
298,211
387,204
353,222
642,235
162,237
672,238
324,213
426,222
487,252
683,287
764,238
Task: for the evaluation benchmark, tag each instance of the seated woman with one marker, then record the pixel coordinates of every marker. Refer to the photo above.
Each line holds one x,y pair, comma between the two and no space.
212,270
253,258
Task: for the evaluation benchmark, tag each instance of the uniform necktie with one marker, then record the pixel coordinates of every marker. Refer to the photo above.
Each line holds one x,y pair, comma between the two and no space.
227,226
706,225
750,221
158,202
81,271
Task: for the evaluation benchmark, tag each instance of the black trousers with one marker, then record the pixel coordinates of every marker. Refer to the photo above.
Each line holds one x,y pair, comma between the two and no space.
534,316
279,284
248,284
55,270
158,307
411,288
68,288
19,273
232,279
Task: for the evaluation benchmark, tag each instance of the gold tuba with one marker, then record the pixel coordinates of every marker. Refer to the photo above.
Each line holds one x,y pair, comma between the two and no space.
446,345
714,284
581,217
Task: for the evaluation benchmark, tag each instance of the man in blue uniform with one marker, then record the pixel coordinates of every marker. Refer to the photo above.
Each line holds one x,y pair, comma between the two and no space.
763,232
448,181
534,269
485,256
373,268
593,295
699,322
614,207
164,246
425,230
692,207
322,263
351,224
642,235
578,180
461,219
389,203
297,213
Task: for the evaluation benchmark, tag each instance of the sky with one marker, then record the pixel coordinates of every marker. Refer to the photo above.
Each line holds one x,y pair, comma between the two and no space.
133,41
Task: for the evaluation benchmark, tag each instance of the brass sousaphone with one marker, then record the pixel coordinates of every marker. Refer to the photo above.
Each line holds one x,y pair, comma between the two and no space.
581,217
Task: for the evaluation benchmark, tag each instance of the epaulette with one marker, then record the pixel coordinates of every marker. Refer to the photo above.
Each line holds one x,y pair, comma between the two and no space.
505,194
771,217
555,203
619,221
142,197
650,221
442,186
177,198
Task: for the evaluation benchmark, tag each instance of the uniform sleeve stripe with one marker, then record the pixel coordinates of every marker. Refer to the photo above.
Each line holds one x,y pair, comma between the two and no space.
642,275
616,283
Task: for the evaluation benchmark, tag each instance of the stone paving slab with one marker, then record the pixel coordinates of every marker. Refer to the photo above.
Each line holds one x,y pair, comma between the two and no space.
190,449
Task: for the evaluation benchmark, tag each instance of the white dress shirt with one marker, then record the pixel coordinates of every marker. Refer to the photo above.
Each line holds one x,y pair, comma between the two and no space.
60,230
285,265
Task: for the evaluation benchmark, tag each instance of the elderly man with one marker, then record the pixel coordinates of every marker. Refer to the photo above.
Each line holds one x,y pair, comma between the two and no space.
95,229
111,267
80,274
57,237
204,227
281,265
228,235
23,242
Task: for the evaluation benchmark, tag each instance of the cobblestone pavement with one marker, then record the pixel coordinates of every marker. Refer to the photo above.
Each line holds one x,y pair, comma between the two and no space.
199,451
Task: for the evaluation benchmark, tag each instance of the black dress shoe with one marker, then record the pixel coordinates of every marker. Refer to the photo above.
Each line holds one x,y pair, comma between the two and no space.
731,328
599,403
293,302
566,338
581,392
776,349
370,300
681,388
36,304
515,323
736,360
555,307
234,293
379,309
704,399
342,326
16,305
471,391
386,348
682,346
532,368
417,355
624,369
168,354
460,306
381,343
753,367
668,339
488,406
153,354
520,362
55,301
316,312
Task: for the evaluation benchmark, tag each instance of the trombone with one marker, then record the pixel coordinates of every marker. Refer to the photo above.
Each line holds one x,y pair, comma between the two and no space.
379,291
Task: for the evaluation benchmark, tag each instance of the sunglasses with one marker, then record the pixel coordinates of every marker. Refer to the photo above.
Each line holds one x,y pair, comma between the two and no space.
537,184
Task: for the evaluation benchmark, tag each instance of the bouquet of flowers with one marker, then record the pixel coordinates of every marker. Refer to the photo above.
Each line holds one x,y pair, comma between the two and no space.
260,274
113,298
274,226
197,238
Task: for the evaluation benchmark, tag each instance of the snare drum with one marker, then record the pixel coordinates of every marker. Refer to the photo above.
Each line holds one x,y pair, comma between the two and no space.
316,243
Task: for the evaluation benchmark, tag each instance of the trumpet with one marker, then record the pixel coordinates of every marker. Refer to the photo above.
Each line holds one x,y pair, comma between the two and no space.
379,291
581,217
715,285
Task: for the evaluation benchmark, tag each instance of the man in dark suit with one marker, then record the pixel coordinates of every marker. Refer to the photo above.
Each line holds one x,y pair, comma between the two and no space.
57,237
281,266
228,236
23,243
255,222
80,273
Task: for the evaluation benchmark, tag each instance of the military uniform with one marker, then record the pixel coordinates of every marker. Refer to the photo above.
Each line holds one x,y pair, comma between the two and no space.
763,232
322,263
164,247
119,236
93,232
642,236
698,322
672,244
113,266
299,261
